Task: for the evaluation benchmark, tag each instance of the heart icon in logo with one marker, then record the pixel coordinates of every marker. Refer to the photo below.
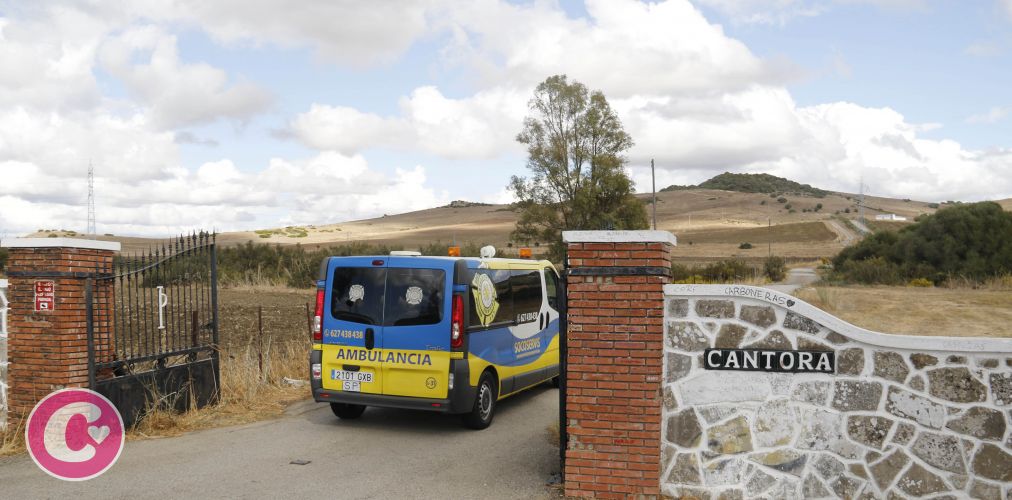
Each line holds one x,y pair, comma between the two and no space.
790,303
99,433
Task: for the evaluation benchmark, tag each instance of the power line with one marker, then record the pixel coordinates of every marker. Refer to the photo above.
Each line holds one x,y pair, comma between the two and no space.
91,200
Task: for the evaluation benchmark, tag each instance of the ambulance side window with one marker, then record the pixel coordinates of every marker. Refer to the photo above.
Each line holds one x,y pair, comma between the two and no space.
500,303
526,286
552,288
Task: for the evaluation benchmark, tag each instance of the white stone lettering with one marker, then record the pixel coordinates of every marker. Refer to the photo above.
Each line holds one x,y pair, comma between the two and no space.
805,361
787,361
824,364
709,358
751,360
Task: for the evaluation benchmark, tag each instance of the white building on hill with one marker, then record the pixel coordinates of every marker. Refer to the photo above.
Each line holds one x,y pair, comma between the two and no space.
892,217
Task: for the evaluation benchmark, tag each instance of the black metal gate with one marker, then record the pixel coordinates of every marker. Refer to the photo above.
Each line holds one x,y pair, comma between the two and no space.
153,328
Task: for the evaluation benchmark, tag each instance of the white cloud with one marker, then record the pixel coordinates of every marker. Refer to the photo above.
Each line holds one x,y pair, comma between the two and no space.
834,145
328,187
344,31
694,99
697,100
780,12
332,187
481,126
1007,5
45,64
62,144
178,94
626,48
776,12
992,115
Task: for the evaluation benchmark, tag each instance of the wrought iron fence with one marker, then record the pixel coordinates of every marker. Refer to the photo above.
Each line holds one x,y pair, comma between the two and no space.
153,326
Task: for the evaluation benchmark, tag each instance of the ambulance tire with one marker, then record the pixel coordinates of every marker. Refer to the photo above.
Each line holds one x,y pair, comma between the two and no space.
480,416
347,411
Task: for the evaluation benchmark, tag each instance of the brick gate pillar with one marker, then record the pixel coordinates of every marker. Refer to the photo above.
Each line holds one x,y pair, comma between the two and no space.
48,345
615,349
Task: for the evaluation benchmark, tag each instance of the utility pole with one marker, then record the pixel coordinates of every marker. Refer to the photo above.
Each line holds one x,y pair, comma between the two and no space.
860,203
91,199
653,187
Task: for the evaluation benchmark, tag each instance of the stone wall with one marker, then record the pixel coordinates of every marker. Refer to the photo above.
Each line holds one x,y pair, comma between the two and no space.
901,417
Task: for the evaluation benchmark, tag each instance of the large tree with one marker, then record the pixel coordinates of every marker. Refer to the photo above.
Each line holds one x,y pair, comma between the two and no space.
575,145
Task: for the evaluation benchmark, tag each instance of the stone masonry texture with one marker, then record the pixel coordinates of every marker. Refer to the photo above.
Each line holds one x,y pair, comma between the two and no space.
890,423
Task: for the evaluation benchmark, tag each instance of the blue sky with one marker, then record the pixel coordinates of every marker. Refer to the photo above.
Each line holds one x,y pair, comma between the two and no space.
242,115
920,61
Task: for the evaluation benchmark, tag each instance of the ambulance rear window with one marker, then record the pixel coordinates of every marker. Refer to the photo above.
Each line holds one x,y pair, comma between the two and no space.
358,294
388,296
414,297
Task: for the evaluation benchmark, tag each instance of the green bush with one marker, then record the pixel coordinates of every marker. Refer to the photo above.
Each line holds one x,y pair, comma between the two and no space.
745,246
972,241
921,283
724,271
293,266
781,200
775,268
874,271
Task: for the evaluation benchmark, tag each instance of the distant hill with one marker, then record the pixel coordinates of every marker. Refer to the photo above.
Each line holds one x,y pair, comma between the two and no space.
754,183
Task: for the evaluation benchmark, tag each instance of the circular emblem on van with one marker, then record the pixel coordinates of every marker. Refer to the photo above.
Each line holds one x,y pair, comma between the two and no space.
430,383
486,301
413,296
356,293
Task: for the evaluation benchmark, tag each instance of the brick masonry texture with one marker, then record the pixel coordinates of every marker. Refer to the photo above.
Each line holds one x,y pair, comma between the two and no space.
49,350
3,369
920,421
613,398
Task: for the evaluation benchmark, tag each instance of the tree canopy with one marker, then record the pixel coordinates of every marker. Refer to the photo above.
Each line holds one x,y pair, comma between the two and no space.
972,241
575,146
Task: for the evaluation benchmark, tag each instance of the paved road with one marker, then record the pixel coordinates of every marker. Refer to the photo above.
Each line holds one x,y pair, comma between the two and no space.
796,278
385,454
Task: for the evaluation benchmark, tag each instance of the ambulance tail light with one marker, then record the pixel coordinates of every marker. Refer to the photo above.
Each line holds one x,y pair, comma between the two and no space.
318,317
457,323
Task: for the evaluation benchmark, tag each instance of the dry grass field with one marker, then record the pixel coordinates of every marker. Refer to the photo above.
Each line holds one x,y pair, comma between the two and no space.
948,312
252,367
715,221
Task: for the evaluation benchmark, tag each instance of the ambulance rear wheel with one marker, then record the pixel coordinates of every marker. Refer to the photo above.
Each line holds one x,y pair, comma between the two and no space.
347,411
480,416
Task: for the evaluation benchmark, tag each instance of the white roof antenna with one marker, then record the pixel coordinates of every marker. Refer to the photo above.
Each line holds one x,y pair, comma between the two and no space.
487,252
